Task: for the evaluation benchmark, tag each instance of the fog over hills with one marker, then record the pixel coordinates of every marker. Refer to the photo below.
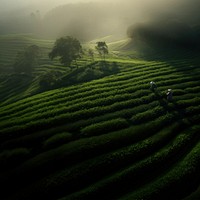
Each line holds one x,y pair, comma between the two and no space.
89,19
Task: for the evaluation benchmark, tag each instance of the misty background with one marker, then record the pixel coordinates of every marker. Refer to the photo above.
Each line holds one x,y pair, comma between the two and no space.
148,20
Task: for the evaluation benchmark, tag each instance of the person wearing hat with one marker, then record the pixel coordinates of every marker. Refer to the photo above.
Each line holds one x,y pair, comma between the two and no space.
153,86
169,94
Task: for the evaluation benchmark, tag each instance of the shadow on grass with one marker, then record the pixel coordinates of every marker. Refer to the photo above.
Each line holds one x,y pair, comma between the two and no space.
172,54
92,71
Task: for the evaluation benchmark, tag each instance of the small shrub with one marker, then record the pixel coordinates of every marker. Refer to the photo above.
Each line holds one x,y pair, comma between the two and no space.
105,127
57,140
148,115
49,79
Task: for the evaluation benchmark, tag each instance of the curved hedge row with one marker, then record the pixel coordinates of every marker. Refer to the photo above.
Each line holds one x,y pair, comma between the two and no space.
111,138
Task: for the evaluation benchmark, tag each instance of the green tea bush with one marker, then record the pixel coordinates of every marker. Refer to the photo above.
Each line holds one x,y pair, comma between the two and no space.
82,149
124,139
123,113
48,99
104,127
56,140
177,180
148,115
49,119
136,174
189,102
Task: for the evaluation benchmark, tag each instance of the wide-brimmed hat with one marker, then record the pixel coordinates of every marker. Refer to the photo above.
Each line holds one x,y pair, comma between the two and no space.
169,90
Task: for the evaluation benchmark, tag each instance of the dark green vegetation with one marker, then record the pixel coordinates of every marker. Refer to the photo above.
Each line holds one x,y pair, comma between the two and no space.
111,138
26,69
68,49
102,49
26,60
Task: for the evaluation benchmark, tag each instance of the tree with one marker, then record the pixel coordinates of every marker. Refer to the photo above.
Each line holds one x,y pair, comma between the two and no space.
91,54
49,79
68,49
102,49
26,60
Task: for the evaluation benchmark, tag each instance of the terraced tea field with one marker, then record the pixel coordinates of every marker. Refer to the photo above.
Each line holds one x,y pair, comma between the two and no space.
11,44
18,86
111,138
14,87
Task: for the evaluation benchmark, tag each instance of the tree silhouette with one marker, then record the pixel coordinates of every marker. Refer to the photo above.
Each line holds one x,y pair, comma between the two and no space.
91,54
102,49
68,49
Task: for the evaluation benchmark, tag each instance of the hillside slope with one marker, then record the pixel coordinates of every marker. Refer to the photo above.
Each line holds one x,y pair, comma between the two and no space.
14,87
111,138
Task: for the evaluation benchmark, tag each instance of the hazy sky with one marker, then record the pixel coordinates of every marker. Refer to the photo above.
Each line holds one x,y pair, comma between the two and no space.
46,5
108,15
12,4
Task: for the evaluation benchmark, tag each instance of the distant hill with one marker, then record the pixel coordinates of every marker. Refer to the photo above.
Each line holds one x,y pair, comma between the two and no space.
18,86
86,21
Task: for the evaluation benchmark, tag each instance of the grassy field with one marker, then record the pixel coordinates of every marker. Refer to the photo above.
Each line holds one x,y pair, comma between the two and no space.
110,138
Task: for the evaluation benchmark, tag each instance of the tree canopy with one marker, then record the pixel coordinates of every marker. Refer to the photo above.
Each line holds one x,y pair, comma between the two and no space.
91,54
102,49
67,49
26,60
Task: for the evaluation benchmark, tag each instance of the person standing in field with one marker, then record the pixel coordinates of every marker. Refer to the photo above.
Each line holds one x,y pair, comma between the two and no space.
169,94
153,86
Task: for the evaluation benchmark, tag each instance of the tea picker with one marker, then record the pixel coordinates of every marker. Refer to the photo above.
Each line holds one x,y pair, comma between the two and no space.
153,86
169,94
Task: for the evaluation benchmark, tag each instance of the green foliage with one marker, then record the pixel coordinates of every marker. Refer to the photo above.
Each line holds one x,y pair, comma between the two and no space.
26,60
95,168
124,141
135,173
92,71
179,177
68,49
91,54
57,140
102,49
49,79
105,127
148,115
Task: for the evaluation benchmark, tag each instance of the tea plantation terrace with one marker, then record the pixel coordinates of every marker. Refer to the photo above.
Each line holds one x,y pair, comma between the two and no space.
111,138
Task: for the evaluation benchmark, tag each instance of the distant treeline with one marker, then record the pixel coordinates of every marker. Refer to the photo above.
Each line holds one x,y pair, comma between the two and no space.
166,33
175,21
